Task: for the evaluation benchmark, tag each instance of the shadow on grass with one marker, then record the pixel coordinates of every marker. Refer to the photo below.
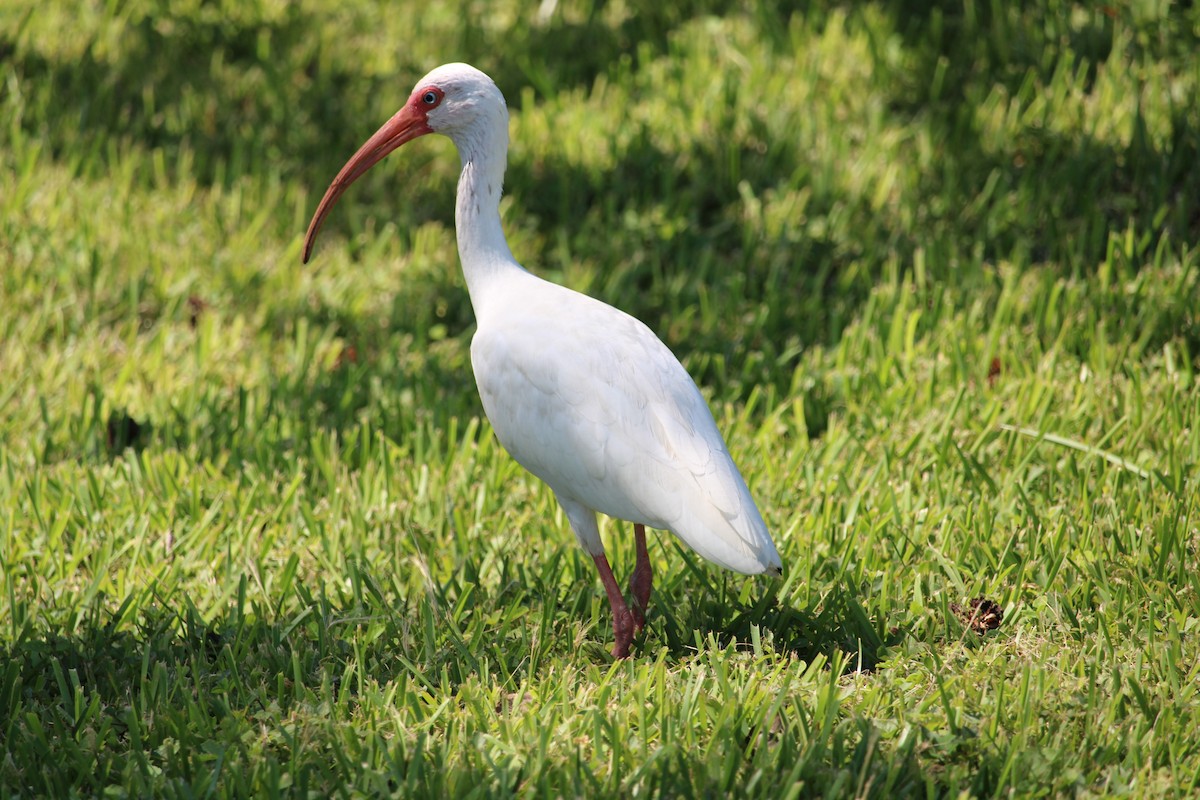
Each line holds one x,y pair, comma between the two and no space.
236,703
254,87
181,80
1082,187
175,696
838,623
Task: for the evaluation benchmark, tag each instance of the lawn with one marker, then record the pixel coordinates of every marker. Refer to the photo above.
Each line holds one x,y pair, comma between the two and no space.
935,266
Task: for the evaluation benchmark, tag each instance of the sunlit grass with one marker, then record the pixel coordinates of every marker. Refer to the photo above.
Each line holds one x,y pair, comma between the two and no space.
935,268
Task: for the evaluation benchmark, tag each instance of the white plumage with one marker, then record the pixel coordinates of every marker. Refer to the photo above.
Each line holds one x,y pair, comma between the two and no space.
581,394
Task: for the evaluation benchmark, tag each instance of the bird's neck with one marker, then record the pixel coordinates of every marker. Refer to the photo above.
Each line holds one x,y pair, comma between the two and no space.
482,247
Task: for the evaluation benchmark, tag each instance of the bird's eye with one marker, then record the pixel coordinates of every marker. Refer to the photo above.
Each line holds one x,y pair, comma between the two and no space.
431,98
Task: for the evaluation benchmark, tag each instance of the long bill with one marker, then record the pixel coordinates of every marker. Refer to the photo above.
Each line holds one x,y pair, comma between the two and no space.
407,124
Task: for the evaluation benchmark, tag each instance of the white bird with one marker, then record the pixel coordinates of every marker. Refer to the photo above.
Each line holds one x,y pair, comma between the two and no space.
581,394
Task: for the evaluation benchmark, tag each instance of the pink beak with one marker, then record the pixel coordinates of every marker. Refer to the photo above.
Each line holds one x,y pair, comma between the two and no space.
408,123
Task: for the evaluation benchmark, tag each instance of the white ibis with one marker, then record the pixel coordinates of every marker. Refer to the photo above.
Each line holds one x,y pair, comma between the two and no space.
582,395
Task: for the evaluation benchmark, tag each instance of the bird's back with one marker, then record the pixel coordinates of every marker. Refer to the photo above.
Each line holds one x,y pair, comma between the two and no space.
588,399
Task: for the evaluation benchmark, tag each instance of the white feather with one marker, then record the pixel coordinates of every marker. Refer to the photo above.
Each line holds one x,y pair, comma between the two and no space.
583,395
589,400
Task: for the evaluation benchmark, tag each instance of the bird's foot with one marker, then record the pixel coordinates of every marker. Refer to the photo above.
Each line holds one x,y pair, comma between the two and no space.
623,632
622,618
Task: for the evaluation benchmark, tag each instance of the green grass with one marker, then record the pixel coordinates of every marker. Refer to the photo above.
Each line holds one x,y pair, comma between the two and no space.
937,266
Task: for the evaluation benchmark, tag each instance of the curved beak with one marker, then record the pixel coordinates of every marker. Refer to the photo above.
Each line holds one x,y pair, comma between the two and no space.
408,123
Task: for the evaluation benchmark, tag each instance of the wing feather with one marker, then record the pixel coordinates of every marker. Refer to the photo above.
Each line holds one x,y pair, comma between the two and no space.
588,399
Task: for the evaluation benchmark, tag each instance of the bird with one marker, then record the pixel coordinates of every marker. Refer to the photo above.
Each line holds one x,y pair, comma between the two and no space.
582,395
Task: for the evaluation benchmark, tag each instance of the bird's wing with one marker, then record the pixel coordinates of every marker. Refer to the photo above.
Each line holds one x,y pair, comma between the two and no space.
587,398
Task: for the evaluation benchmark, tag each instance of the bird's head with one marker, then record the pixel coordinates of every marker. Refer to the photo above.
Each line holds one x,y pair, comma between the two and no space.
459,100
455,99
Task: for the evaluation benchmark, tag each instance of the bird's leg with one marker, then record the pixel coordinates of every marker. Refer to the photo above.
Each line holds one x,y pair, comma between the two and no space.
640,580
622,619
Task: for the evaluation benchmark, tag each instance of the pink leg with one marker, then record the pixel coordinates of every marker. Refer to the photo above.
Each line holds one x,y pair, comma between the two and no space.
622,619
640,580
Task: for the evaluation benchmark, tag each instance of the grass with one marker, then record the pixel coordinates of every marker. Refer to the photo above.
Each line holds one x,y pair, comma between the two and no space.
935,264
